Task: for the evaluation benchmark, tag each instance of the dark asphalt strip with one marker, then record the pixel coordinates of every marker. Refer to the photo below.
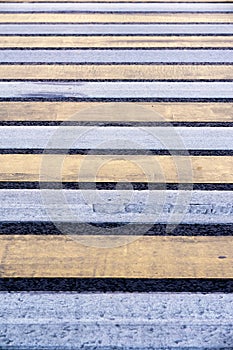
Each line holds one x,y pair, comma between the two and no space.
138,186
104,285
48,228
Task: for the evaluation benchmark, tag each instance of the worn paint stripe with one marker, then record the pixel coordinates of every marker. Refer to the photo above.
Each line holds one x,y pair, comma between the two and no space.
72,111
115,42
208,309
87,90
116,29
146,257
113,7
157,72
141,207
116,138
74,168
80,317
115,18
116,56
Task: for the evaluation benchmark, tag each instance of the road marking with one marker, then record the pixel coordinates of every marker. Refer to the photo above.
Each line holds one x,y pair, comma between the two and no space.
123,168
116,138
114,90
116,29
116,18
166,257
141,207
112,7
116,56
81,317
72,111
116,41
125,71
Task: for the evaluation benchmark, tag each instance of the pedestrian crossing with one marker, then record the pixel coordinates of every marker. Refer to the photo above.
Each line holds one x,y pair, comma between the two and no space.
116,173
113,77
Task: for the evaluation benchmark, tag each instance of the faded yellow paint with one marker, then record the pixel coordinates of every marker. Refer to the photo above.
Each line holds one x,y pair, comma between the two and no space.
116,18
156,72
147,257
63,111
114,168
117,41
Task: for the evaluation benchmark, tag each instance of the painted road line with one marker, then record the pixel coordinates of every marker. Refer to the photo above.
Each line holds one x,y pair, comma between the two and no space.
146,257
141,207
116,138
93,112
116,29
116,56
116,18
123,168
156,72
84,90
135,321
116,41
111,7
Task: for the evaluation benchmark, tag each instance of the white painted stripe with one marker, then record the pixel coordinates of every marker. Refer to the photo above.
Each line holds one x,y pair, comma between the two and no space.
115,7
88,137
86,90
116,29
108,206
116,56
124,320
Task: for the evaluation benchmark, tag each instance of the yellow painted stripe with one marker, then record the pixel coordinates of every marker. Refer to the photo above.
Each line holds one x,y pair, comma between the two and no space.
114,168
116,18
146,257
116,72
63,111
116,41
